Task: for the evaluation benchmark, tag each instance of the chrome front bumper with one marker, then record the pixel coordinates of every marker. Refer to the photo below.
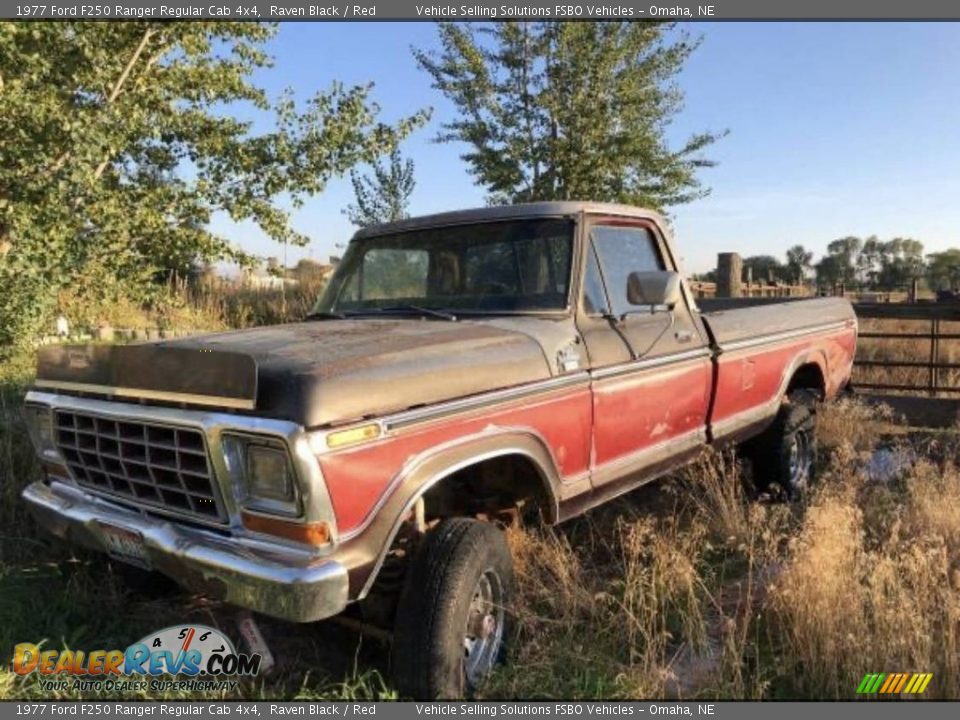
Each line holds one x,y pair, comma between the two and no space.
273,579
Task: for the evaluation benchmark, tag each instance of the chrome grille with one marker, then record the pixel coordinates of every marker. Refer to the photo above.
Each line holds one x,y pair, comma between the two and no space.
149,465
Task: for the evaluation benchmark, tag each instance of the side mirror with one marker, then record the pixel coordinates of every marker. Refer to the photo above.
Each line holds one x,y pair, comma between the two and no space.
653,288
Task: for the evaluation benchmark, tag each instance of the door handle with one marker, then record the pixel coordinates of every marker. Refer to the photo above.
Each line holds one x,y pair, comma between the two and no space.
684,336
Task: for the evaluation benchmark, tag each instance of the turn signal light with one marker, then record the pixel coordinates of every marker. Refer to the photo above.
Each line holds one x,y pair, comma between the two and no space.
352,436
316,533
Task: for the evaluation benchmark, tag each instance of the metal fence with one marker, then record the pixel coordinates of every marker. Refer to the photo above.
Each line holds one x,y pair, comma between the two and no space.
935,314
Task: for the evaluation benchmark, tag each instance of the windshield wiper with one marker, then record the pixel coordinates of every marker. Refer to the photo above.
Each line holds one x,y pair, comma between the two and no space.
326,316
406,308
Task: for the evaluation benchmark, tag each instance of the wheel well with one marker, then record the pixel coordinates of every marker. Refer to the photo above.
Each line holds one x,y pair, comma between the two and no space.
491,487
808,377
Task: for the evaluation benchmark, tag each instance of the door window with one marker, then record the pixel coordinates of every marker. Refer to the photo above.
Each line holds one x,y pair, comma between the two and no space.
594,296
621,251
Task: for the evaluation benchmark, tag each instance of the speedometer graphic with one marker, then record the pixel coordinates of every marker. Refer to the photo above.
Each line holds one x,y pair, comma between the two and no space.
182,638
187,649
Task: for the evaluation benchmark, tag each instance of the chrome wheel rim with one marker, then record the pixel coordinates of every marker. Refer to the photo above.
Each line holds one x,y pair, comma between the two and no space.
483,632
799,459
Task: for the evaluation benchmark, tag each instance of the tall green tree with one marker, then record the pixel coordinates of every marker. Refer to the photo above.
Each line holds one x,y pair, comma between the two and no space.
901,262
870,261
846,259
799,263
385,196
944,269
120,141
762,268
561,110
829,271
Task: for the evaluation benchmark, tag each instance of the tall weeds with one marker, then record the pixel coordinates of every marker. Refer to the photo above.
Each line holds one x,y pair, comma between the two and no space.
722,596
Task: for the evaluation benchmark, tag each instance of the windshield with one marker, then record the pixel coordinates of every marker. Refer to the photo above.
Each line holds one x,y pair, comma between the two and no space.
515,266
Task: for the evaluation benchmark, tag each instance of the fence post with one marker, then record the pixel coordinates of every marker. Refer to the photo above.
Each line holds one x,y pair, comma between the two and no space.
729,275
934,354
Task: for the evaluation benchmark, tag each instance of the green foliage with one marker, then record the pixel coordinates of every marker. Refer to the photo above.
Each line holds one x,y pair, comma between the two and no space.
944,269
385,197
799,262
763,268
846,251
891,264
872,263
561,110
119,142
829,271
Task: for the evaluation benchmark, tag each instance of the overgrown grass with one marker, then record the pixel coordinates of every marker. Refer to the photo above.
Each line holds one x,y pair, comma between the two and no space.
693,587
910,349
214,304
719,595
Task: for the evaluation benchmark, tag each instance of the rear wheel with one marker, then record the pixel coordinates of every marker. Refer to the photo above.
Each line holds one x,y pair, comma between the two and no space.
784,455
452,617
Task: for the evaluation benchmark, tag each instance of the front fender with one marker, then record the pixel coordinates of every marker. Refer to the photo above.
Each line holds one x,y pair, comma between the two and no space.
365,550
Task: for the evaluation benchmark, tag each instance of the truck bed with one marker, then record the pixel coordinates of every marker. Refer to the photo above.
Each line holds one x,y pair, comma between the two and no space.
737,320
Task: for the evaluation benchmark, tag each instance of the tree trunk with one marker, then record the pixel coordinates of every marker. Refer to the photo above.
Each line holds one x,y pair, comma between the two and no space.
118,85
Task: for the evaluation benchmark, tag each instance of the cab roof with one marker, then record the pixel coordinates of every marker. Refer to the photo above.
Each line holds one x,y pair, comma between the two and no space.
560,208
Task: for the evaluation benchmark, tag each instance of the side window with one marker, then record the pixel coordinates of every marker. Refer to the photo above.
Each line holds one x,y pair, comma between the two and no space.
623,250
594,297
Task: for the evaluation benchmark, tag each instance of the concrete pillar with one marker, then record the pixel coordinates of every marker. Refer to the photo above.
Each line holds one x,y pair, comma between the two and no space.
729,274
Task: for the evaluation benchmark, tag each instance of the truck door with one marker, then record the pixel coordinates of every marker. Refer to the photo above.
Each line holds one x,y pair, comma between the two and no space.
650,366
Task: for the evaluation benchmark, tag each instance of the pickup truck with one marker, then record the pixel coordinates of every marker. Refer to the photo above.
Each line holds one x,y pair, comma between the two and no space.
461,371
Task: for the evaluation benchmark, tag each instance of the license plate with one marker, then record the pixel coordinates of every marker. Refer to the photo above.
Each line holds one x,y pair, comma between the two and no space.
125,545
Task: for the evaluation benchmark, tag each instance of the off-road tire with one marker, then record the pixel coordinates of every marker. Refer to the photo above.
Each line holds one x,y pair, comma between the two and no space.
780,452
429,655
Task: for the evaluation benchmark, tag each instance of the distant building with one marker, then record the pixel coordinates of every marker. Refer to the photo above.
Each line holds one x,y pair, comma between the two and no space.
274,277
260,279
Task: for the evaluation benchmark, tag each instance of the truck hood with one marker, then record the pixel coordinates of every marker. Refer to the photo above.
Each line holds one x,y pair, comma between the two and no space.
322,373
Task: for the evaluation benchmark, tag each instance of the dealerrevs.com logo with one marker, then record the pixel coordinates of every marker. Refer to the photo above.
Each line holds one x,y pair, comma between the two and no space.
202,654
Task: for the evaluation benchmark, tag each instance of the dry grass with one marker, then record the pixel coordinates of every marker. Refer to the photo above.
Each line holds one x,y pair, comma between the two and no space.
204,306
237,306
872,580
907,349
717,595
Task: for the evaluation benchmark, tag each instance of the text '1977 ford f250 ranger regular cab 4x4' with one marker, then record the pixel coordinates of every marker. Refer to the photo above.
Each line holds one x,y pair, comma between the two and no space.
459,366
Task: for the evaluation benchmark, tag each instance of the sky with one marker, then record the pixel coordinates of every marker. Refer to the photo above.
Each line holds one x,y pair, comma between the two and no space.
835,129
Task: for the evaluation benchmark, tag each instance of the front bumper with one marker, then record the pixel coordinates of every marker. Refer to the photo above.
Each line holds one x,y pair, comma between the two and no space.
275,580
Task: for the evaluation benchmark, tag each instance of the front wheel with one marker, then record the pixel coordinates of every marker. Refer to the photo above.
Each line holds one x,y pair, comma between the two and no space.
452,617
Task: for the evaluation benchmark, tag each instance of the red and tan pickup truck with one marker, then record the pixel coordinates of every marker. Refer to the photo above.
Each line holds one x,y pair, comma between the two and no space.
458,366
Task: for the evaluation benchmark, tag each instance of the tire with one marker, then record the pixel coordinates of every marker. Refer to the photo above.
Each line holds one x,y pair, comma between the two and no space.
452,617
785,454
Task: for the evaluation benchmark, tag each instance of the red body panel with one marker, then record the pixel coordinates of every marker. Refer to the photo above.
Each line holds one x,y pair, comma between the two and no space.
637,411
751,377
357,478
587,426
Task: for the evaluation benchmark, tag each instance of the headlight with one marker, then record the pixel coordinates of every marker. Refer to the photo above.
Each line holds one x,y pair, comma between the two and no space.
262,475
39,420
